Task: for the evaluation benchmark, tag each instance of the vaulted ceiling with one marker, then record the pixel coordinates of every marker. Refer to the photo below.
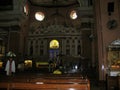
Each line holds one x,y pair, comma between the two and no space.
53,3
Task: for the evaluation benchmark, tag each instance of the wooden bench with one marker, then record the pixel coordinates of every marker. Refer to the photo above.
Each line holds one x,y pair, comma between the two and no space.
45,86
72,80
49,84
113,82
46,83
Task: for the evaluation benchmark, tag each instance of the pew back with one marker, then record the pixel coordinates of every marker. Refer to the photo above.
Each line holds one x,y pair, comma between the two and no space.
47,86
46,83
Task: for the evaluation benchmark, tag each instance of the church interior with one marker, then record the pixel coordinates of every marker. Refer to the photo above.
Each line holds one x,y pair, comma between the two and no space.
60,44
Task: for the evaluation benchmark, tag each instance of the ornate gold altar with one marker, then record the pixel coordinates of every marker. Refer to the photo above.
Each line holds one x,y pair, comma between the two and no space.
114,58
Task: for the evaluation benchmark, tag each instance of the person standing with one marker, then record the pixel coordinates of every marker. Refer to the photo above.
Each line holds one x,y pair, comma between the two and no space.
10,65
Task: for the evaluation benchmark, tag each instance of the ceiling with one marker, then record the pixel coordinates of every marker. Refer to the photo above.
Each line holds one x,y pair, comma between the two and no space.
53,3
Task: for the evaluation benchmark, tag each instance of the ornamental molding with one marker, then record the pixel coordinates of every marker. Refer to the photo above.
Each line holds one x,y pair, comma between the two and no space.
56,30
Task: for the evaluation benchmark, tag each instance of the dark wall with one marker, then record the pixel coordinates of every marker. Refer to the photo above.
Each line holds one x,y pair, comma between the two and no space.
6,5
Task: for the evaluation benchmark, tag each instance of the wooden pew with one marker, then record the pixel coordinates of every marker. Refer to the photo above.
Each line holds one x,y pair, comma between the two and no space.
113,82
46,83
83,81
45,86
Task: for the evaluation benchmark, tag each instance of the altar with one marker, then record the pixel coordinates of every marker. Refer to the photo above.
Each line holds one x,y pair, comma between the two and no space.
113,71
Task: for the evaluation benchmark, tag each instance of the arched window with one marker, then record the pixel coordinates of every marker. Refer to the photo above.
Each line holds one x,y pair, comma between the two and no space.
54,44
39,16
73,14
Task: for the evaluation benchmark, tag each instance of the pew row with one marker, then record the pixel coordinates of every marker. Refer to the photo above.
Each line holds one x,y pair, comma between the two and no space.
47,84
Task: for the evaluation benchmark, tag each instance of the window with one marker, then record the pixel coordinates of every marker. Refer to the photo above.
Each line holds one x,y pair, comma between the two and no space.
54,44
39,16
90,2
67,51
31,50
73,14
26,9
41,52
79,50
